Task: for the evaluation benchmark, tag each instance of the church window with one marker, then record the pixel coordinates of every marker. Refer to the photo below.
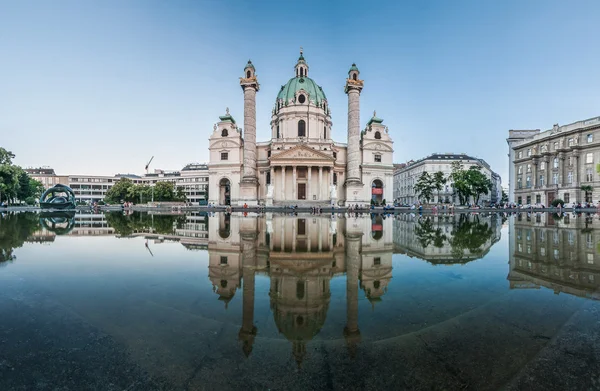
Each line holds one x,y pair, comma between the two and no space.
377,158
335,178
354,77
324,132
301,128
248,74
224,155
223,284
268,178
278,131
335,155
223,260
224,133
301,99
269,153
377,135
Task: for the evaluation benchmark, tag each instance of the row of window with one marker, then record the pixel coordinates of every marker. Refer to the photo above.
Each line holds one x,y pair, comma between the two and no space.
589,177
570,142
589,159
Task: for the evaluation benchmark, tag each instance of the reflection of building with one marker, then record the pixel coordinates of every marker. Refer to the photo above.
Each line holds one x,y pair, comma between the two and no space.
446,238
407,175
301,255
559,253
555,164
300,163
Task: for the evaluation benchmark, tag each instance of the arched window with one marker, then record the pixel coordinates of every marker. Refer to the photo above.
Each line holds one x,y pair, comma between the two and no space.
224,133
248,74
301,128
354,77
325,132
335,178
301,99
223,283
268,178
301,72
278,131
377,135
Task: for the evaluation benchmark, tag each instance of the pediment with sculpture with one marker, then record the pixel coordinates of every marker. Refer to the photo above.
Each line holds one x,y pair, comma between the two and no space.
301,153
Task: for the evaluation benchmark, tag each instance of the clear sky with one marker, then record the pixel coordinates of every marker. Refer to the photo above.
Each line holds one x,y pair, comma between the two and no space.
100,87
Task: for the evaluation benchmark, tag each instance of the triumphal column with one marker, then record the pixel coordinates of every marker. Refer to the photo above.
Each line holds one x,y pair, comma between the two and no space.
354,185
249,182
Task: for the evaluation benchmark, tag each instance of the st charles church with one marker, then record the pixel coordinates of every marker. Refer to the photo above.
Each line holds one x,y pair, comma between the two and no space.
301,164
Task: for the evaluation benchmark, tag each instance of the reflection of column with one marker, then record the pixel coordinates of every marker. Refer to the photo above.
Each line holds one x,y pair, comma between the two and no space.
294,222
320,237
351,331
320,192
282,240
248,331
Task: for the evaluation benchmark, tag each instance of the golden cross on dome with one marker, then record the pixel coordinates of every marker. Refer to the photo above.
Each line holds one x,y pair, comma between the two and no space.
301,50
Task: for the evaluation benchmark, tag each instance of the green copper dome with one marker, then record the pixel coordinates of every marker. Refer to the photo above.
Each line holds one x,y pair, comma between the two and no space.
288,91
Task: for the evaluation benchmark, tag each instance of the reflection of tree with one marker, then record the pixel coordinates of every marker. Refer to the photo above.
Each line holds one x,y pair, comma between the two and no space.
469,235
427,234
143,222
14,230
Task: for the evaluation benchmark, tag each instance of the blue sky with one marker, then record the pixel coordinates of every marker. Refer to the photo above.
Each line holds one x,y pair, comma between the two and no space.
100,87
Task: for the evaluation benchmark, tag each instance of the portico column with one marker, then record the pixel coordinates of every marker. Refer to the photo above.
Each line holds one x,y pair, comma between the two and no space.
309,196
320,193
294,195
283,183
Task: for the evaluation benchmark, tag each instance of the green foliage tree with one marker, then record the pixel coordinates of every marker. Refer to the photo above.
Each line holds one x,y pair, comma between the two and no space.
424,186
478,182
504,197
143,222
15,183
439,180
119,192
469,235
460,182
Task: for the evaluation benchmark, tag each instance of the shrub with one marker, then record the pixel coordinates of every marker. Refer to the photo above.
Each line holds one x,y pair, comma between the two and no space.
100,202
557,201
30,200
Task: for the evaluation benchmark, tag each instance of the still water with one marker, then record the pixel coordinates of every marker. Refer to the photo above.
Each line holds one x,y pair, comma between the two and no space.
196,301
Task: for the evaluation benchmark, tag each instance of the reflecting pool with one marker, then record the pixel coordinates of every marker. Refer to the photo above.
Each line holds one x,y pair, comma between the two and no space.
204,301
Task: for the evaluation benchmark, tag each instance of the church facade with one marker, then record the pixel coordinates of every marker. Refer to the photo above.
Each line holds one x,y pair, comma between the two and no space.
300,164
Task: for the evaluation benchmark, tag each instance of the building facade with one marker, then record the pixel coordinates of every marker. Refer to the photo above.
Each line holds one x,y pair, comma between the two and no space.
407,175
559,163
193,178
301,163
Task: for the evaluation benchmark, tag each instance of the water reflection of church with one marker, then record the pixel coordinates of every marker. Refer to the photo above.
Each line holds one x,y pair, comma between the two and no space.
300,255
557,252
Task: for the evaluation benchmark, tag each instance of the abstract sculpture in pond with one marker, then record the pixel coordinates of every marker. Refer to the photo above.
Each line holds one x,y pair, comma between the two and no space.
58,197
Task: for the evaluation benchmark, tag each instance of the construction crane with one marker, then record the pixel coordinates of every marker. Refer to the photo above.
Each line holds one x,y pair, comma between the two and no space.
148,164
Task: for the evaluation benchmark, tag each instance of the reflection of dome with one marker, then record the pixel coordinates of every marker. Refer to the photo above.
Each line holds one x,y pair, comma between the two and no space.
315,93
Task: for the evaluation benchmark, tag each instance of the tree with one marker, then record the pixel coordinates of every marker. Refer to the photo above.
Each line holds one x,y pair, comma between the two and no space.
424,186
460,182
119,192
6,157
478,182
504,199
438,182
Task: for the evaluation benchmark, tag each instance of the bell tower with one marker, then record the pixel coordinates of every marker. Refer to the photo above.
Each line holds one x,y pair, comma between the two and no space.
249,182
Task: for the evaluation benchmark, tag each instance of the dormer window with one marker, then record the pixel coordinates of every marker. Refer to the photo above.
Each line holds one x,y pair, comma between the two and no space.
224,133
378,135
301,98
